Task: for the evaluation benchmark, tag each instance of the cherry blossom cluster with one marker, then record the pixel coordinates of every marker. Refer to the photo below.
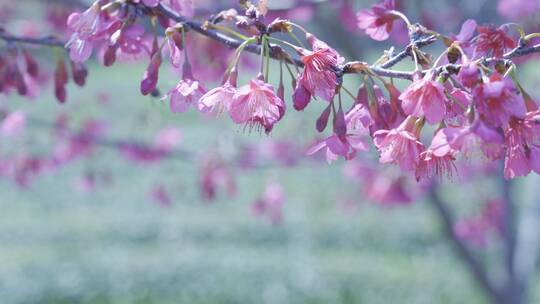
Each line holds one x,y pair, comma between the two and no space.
465,103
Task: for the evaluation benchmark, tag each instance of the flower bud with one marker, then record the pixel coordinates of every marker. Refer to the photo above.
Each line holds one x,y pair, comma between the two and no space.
110,56
79,73
32,67
301,97
340,126
150,78
322,121
60,80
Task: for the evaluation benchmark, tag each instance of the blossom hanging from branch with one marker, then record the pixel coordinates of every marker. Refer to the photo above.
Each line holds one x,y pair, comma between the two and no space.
468,94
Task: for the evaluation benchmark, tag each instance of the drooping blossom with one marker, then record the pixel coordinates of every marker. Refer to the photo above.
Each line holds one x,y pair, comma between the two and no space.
498,100
186,93
425,97
256,105
476,137
492,41
270,204
378,21
457,105
438,159
400,146
319,75
356,132
175,44
88,28
522,140
218,100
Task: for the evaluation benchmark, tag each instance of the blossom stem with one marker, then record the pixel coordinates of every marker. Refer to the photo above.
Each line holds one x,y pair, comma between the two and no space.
402,16
238,53
227,30
531,36
295,38
263,46
298,27
267,55
436,63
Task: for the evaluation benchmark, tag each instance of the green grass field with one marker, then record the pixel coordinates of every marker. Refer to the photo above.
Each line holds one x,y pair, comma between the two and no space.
115,246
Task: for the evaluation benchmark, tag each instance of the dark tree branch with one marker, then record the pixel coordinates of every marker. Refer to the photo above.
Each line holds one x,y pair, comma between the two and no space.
277,52
45,41
474,265
407,51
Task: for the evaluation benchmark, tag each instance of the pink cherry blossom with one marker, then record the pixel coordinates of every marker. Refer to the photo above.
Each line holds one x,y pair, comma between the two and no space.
319,75
186,93
400,146
498,100
522,140
377,21
256,104
425,97
218,100
493,41
438,159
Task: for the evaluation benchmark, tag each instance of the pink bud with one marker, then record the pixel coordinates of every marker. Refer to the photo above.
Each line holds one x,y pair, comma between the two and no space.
110,56
79,73
32,67
301,97
322,121
150,78
340,126
60,80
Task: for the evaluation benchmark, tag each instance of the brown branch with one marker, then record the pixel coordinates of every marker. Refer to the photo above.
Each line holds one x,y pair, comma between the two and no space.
474,265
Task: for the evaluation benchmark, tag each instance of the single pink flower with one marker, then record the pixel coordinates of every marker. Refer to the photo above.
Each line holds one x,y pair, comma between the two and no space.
497,100
319,75
88,28
492,41
219,100
400,146
257,105
176,45
438,159
187,92
476,137
377,21
425,97
522,140
335,147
